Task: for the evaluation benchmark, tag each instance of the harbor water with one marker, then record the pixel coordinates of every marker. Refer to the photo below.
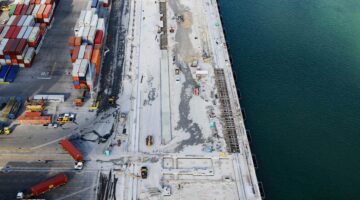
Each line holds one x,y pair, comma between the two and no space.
298,69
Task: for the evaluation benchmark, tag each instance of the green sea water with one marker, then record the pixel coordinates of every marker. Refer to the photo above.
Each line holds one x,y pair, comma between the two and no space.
298,69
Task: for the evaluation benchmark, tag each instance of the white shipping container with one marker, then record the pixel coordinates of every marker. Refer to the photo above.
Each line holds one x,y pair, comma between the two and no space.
4,31
94,20
27,2
22,32
11,20
2,45
28,32
50,16
88,17
34,33
22,20
80,32
91,36
101,24
2,62
85,33
82,18
82,51
94,10
76,67
88,7
29,21
83,68
42,1
29,55
36,10
22,55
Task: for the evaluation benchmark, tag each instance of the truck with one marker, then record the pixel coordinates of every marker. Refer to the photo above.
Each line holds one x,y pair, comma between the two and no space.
74,153
43,187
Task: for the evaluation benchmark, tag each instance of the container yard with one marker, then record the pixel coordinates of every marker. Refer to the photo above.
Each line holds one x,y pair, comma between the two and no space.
122,98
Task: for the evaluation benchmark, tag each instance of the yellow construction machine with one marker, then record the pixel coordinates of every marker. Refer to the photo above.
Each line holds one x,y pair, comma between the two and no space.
35,105
5,131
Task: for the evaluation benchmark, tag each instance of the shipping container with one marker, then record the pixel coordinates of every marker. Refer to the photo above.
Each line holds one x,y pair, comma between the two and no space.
34,120
11,20
21,49
105,3
39,14
4,32
48,12
94,4
29,21
30,9
10,32
101,25
50,184
26,2
11,78
79,32
29,56
91,35
18,9
22,32
36,10
16,20
75,71
16,32
34,34
22,20
3,74
88,17
2,45
83,69
82,51
88,52
98,37
85,33
71,41
49,2
72,150
96,59
75,53
28,32
42,1
77,41
12,9
94,20
81,19
24,9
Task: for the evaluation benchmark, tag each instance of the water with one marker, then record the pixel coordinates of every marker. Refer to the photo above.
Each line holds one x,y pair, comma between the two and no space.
298,69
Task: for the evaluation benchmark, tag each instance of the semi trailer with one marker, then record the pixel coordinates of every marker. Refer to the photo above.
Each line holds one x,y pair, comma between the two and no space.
74,152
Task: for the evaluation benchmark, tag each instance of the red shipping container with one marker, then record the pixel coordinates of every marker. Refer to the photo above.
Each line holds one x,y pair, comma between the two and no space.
30,9
7,47
10,32
32,1
42,27
88,52
49,2
21,46
71,149
14,61
16,20
16,32
77,87
39,14
13,48
75,54
37,1
18,9
49,184
71,41
35,43
47,11
32,114
98,37
1,29
24,9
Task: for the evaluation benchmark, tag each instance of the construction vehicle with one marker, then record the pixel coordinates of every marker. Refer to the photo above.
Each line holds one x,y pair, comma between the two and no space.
12,108
5,8
112,100
144,172
94,106
34,105
74,152
4,130
80,100
65,118
149,140
43,187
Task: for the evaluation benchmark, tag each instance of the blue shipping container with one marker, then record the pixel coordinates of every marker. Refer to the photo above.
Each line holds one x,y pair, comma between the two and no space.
4,72
94,3
12,74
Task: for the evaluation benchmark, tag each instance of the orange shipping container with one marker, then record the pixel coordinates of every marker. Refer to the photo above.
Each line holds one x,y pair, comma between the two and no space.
77,41
39,14
88,52
95,59
71,41
75,54
32,114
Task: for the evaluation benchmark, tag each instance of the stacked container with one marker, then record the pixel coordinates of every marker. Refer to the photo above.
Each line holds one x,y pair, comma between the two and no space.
85,47
21,35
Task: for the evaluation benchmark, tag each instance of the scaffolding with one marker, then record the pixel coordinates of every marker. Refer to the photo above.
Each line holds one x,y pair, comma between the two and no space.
230,134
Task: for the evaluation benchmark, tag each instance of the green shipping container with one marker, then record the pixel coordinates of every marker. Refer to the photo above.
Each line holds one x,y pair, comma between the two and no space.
12,9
